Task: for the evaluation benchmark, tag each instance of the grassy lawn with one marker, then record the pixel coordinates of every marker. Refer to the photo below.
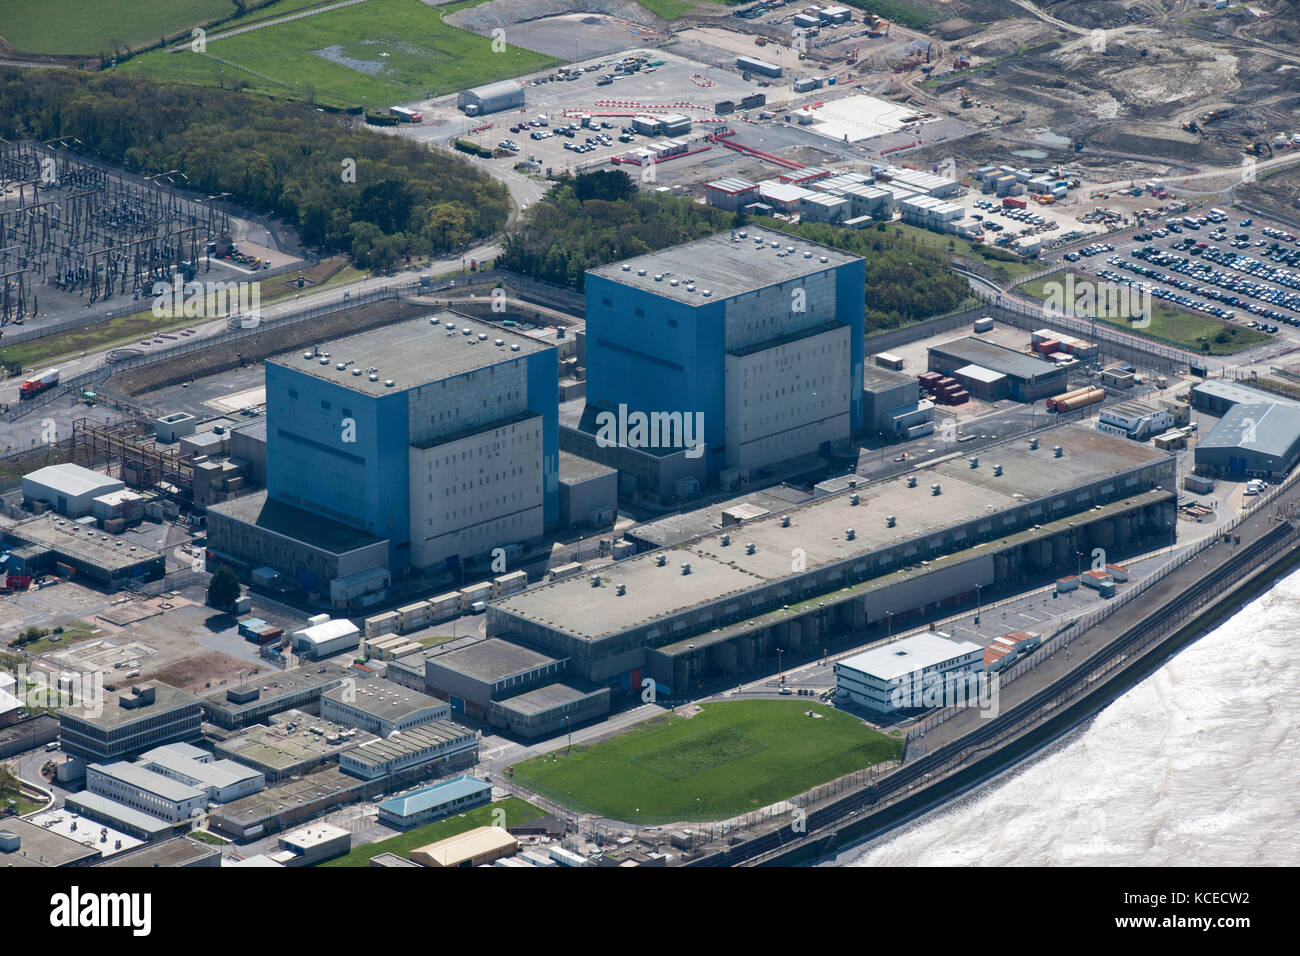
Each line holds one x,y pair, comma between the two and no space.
72,632
436,640
92,26
730,758
373,54
203,836
1004,271
25,805
517,811
670,9
1172,325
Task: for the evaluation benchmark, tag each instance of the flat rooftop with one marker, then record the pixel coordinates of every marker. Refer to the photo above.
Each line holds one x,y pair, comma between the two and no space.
291,739
276,684
169,853
819,527
725,267
492,660
113,715
543,699
327,784
150,781
41,847
876,379
383,699
907,656
413,353
325,534
575,469
1265,429
82,544
1240,393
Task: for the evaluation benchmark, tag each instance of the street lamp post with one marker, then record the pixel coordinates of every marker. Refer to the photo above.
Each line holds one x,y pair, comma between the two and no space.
565,725
977,604
889,633
779,652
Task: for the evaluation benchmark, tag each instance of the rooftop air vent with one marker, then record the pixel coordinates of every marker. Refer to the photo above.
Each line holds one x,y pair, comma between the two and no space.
743,234
686,567
595,580
500,342
974,461
807,255
451,333
467,331
855,498
707,292
356,371
661,559
374,377
776,245
389,383
997,471
324,360
640,272
790,250
911,481
690,288
824,259
308,356
890,521
726,540
1056,451
620,590
749,548
659,277
785,521
341,366
515,347
849,534
482,336
936,489
1033,444
626,267
674,283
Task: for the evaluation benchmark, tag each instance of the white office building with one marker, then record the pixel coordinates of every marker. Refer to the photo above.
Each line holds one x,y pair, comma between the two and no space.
926,670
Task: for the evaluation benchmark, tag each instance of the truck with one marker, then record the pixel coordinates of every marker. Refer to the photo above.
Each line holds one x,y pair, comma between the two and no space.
32,387
406,116
1013,203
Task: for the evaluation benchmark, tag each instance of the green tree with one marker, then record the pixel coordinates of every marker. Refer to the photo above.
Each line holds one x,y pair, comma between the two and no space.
223,590
10,787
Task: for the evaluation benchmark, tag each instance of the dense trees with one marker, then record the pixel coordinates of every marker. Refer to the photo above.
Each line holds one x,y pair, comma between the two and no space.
283,159
602,217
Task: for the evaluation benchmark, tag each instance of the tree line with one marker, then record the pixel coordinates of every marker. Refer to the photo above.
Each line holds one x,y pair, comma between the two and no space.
383,199
597,218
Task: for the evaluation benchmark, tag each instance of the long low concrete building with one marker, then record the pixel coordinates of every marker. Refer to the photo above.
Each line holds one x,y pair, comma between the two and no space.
711,607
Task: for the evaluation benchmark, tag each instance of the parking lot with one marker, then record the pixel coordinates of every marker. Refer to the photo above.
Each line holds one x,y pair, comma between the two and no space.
1233,268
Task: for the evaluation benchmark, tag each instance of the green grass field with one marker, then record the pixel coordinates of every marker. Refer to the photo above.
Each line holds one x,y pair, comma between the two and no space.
94,26
670,9
517,811
1004,271
730,758
1172,325
373,54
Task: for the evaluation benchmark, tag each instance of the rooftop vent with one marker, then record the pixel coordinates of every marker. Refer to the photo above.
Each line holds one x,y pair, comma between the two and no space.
974,461
1057,451
849,534
911,481
1033,444
356,371
620,590
674,283
500,341
341,366
824,259
790,250
807,255
749,548
466,331
482,336
661,559
743,234
626,267
515,347
374,377
726,540
785,521
776,245
855,498
659,277
890,521
640,272
690,288
997,471
936,489
308,356
324,360
686,567
595,580
389,383
707,292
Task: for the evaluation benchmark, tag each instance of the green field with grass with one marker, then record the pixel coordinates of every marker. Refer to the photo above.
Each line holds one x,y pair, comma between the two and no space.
91,27
1003,271
671,9
517,812
1170,324
730,758
373,54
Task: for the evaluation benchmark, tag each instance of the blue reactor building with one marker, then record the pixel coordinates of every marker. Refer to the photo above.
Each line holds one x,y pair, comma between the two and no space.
436,435
752,340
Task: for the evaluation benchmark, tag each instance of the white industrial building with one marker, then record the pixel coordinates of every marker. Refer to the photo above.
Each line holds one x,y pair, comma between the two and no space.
927,184
380,707
145,790
731,193
221,780
925,670
1136,420
69,489
821,207
930,213
326,638
783,197
493,98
